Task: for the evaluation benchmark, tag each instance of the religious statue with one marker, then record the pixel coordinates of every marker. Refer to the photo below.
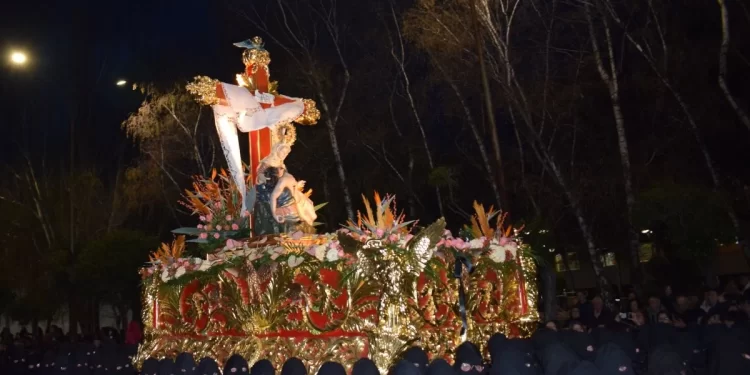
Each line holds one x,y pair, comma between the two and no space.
255,106
280,201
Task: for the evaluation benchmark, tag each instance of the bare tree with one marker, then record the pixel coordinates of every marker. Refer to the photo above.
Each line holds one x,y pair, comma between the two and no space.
171,131
660,70
382,153
299,43
489,107
398,53
478,138
608,75
723,65
41,200
497,18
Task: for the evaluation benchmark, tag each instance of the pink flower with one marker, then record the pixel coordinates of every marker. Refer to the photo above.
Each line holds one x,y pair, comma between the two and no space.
209,217
379,233
408,237
218,227
216,235
203,236
503,241
245,213
203,218
235,227
232,244
200,226
393,238
457,243
229,217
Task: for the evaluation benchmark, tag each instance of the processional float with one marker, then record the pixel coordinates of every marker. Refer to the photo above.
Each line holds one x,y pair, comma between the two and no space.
268,286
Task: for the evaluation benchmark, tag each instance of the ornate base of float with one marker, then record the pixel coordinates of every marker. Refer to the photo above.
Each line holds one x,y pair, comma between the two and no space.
343,347
375,303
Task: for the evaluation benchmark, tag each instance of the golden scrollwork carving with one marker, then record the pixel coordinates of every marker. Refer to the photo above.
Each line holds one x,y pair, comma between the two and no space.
204,90
311,115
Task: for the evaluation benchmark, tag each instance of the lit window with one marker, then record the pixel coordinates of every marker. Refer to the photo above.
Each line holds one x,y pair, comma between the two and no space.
608,259
646,252
559,264
573,263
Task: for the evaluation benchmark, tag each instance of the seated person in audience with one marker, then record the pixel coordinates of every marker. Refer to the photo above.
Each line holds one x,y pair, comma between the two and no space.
710,301
653,309
600,315
582,304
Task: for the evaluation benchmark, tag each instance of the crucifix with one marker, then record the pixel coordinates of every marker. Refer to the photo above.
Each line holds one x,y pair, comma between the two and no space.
253,106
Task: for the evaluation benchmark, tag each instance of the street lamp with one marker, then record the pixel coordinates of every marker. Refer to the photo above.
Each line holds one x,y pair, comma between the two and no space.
18,58
121,82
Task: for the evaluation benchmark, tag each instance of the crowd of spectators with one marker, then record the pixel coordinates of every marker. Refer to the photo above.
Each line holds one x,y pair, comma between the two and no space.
661,333
684,310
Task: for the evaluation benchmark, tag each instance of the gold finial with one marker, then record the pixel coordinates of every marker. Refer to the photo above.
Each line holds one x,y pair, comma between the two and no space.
254,54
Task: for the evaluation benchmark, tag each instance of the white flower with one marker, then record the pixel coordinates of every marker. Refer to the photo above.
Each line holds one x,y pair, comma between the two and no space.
180,271
294,261
476,243
165,275
332,255
197,261
205,265
497,253
320,252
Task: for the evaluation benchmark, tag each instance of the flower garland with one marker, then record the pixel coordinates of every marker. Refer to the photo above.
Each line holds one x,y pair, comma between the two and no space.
383,226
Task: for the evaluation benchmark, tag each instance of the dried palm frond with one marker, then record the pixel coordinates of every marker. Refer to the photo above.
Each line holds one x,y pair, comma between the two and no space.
480,222
207,193
370,218
383,217
166,254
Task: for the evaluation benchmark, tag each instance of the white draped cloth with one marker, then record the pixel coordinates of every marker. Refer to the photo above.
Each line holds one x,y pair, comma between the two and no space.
244,111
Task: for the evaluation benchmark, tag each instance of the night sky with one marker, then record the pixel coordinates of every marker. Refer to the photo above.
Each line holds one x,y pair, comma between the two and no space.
79,49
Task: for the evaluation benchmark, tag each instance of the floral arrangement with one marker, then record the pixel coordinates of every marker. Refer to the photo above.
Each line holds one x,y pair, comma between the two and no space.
325,250
168,261
382,225
483,239
218,204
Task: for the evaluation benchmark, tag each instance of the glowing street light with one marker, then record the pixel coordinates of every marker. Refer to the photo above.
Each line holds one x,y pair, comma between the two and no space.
18,58
121,82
